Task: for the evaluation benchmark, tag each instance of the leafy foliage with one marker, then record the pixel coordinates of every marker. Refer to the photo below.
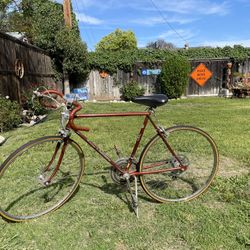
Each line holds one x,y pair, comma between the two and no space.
32,105
4,4
43,23
237,52
174,76
47,22
131,90
64,45
4,14
126,59
10,115
72,51
117,40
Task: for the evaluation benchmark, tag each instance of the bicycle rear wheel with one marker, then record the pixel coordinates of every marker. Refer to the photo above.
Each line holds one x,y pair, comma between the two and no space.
24,191
194,149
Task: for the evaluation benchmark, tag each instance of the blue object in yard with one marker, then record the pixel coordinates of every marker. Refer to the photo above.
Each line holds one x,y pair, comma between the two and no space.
153,71
71,97
148,72
81,93
144,72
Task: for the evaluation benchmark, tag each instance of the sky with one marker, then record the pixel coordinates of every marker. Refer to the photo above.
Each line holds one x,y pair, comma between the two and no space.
193,22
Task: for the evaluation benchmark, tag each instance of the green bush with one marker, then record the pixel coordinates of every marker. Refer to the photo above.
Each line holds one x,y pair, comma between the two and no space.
10,114
174,76
131,90
34,106
28,104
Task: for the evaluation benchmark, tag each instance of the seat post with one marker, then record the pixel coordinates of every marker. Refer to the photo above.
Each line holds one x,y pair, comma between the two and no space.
151,110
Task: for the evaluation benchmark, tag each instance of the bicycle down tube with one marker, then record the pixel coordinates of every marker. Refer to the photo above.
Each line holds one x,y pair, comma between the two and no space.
136,145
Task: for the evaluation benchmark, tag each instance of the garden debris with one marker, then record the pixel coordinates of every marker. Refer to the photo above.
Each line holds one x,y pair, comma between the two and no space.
30,119
2,140
225,93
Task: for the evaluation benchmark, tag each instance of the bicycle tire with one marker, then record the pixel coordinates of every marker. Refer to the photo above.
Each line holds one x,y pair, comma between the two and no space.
194,148
24,192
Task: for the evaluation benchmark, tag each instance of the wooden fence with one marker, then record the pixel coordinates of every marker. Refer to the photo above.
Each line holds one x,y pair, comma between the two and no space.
22,67
215,83
108,87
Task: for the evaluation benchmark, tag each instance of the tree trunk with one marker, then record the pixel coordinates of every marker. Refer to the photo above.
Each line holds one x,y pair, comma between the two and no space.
66,83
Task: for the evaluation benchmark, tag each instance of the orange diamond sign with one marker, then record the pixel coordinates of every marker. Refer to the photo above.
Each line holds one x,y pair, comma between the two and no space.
201,74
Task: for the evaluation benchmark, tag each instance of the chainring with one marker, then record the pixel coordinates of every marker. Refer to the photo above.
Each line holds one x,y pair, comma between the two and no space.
117,176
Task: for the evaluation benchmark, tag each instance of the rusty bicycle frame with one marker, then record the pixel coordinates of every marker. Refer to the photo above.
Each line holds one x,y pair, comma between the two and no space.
77,129
136,145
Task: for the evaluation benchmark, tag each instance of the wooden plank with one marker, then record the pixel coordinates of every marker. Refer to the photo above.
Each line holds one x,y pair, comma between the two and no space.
44,70
2,56
40,63
3,86
6,62
31,63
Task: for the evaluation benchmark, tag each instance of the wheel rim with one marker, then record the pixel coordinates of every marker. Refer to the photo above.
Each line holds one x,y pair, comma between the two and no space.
193,148
24,194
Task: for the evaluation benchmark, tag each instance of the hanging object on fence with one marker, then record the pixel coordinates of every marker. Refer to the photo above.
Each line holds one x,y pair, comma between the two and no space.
104,74
148,72
19,68
229,75
201,74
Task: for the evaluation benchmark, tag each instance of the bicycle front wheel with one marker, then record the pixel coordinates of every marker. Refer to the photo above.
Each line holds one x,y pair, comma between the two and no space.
192,148
30,183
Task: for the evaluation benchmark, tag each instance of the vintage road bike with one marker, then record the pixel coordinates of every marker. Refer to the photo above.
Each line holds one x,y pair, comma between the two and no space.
177,164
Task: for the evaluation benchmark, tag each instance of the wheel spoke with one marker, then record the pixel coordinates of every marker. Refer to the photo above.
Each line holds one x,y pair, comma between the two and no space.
184,175
23,176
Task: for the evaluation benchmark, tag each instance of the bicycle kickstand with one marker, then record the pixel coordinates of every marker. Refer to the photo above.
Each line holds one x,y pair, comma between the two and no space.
134,196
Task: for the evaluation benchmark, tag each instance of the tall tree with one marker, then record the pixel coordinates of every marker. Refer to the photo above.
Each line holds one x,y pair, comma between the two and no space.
160,44
117,40
43,23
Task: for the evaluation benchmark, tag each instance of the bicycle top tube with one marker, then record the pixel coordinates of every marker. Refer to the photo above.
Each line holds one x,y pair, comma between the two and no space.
151,101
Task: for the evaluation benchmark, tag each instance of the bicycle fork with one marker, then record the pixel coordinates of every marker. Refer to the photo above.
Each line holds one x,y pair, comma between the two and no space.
47,181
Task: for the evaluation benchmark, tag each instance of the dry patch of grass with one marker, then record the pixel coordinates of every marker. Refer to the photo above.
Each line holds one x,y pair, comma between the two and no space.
231,167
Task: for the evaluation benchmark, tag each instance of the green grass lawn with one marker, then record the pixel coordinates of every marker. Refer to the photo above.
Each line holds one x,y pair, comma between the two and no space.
99,216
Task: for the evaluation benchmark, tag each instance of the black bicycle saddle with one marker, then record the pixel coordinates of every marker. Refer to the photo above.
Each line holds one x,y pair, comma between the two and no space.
152,101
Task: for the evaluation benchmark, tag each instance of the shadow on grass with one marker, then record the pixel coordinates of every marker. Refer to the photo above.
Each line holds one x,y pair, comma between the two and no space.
45,197
120,191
